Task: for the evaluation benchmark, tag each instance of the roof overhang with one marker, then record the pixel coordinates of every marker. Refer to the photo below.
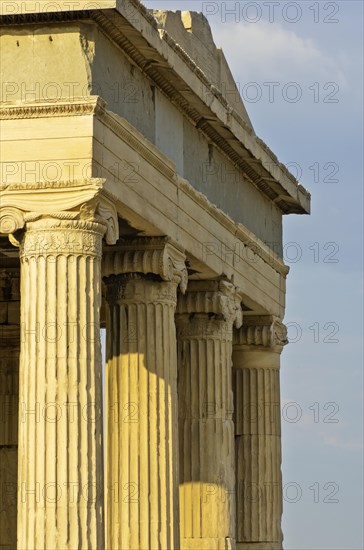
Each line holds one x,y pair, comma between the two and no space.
136,31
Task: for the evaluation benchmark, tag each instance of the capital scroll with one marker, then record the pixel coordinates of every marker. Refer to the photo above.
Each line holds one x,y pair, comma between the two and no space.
261,331
11,220
85,200
220,298
148,256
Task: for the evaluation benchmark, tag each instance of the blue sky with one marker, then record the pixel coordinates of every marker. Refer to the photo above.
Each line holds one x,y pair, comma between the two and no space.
321,378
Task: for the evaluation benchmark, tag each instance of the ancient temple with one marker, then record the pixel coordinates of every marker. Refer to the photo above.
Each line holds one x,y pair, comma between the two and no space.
136,196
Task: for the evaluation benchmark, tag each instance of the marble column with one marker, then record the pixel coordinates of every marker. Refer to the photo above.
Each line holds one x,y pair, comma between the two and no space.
142,443
59,228
205,319
9,374
60,415
256,363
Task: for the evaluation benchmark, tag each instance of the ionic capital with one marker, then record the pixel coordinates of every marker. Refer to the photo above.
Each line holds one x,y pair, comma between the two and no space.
78,200
61,235
220,298
263,331
148,256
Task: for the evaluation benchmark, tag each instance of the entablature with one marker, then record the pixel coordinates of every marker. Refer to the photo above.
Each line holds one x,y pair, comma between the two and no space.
155,202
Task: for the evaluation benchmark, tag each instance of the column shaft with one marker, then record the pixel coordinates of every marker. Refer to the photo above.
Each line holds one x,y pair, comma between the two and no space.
60,438
205,319
206,434
142,461
256,361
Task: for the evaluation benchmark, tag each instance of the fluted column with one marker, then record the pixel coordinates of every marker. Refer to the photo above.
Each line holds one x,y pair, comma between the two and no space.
9,369
142,444
59,227
256,362
60,439
205,319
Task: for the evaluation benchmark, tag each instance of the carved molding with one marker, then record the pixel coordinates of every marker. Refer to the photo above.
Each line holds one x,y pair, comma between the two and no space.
107,213
135,289
202,326
78,107
212,297
50,197
11,219
148,256
83,200
263,331
61,235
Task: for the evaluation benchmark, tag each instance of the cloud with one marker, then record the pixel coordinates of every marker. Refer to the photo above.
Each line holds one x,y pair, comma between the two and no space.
269,52
353,445
321,424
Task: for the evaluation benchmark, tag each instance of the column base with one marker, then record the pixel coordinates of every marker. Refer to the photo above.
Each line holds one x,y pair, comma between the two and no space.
259,546
208,544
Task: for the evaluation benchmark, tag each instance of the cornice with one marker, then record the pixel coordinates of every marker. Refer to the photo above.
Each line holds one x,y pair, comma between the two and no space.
263,331
148,256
